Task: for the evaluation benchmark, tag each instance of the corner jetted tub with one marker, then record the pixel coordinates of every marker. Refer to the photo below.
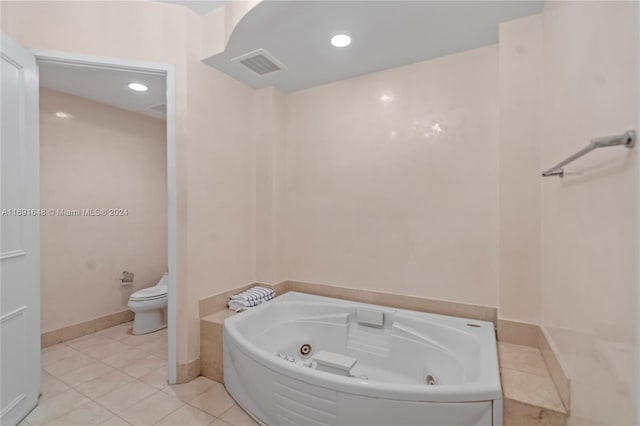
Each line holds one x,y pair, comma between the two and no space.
309,360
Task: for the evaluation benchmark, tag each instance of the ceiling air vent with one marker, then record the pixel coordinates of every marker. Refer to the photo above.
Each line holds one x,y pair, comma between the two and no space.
260,61
160,108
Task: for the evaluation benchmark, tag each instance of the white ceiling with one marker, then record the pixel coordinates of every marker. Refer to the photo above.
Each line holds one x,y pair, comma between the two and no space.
201,7
385,34
107,86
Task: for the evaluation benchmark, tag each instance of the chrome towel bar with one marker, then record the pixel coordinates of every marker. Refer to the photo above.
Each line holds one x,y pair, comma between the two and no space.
628,139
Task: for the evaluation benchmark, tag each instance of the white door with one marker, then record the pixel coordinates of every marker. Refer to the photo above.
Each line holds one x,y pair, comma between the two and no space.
19,234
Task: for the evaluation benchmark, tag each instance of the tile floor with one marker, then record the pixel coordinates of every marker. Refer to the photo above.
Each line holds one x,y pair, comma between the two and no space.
113,378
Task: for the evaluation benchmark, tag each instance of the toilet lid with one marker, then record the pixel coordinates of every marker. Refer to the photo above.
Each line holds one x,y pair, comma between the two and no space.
149,293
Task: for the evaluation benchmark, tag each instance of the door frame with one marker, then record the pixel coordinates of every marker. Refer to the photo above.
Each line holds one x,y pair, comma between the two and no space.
168,70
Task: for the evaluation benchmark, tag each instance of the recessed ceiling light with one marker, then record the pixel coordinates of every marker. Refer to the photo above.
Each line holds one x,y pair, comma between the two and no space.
341,40
138,87
62,114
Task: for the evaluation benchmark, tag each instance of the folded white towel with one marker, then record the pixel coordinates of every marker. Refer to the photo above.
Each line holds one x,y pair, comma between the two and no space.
241,305
254,293
250,298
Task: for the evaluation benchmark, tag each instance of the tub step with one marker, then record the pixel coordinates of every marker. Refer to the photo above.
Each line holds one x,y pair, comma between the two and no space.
211,344
334,363
530,397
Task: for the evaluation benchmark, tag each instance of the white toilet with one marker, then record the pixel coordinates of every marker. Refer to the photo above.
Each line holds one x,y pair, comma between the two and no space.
150,307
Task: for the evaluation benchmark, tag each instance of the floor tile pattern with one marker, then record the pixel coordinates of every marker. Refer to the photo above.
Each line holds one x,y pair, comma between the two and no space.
113,378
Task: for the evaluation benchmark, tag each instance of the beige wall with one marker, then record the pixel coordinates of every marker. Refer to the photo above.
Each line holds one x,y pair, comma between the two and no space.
569,257
590,220
221,190
376,197
212,122
269,126
520,237
103,157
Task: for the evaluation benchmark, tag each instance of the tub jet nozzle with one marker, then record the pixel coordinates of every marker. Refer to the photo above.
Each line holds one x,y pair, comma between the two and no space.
305,350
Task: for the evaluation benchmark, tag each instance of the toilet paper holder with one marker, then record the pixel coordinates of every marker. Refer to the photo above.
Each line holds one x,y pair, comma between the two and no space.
126,278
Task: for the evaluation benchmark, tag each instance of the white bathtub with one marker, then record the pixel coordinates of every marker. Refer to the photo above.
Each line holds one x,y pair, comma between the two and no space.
388,385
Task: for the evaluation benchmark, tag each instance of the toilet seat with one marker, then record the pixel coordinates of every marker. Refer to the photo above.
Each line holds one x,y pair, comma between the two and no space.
150,293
